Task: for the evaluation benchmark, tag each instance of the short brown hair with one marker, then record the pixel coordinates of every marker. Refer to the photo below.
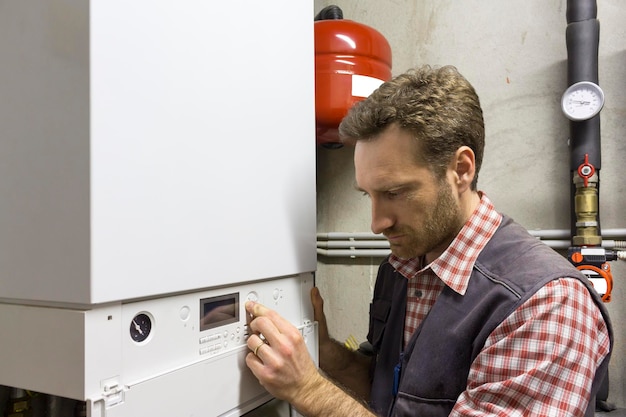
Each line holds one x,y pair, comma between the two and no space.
438,106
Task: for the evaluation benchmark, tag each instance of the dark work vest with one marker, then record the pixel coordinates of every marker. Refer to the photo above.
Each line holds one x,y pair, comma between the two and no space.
436,362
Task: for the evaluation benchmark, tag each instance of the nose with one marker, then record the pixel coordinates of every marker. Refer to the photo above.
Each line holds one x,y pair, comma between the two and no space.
381,217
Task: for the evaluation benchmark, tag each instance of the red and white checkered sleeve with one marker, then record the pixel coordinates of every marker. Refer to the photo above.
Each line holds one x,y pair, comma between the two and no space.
542,359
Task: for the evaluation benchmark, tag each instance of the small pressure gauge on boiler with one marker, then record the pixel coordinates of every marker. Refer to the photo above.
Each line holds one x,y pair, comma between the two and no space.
140,327
582,101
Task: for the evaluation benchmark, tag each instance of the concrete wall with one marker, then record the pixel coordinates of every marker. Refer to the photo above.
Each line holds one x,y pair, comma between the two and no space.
514,54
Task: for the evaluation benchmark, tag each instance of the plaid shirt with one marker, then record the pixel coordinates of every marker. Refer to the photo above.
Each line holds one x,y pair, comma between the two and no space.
541,360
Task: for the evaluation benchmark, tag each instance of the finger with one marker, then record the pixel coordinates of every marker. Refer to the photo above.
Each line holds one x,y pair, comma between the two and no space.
266,320
253,341
260,351
256,365
256,309
261,371
318,303
265,329
318,313
264,323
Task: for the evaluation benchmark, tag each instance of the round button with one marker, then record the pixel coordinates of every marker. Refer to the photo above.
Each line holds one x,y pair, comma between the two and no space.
184,313
276,294
252,296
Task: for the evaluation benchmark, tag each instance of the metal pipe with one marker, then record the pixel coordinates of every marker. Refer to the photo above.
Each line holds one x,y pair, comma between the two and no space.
367,245
334,244
540,233
378,248
381,253
373,253
349,235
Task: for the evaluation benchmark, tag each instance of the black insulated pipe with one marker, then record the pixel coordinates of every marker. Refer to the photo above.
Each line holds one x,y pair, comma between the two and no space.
582,38
580,10
331,12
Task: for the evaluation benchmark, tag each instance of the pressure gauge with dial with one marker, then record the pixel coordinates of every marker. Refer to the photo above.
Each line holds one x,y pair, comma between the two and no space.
140,327
582,101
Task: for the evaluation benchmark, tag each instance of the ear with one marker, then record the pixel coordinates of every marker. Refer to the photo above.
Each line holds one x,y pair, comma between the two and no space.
463,167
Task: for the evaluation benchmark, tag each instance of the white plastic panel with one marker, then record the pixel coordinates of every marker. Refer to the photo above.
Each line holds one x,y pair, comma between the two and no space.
220,388
203,389
75,353
154,147
203,154
177,338
60,351
44,150
167,375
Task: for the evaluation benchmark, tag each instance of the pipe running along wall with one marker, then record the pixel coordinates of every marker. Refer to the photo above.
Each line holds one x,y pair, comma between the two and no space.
582,38
370,245
587,252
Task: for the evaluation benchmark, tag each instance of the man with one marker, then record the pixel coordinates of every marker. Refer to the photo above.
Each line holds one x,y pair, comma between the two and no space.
471,315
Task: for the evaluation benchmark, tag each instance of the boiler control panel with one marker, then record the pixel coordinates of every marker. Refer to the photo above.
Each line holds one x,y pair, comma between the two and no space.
169,333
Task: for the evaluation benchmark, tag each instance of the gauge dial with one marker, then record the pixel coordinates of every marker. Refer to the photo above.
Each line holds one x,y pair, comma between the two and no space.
582,101
140,327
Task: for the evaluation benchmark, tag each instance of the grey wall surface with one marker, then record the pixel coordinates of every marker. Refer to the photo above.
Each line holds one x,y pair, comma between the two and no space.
515,55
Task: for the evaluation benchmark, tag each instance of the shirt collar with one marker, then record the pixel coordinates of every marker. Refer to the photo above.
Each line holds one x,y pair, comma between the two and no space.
454,266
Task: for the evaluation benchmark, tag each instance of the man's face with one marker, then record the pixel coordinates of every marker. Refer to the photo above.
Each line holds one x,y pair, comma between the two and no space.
417,212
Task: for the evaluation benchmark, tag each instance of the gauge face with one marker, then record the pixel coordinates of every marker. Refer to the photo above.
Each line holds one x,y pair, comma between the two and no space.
582,101
140,327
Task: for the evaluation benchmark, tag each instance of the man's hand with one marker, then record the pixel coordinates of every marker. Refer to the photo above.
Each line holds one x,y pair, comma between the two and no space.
279,358
318,315
350,369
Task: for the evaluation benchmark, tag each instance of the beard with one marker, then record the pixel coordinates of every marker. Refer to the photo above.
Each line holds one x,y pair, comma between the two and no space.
439,227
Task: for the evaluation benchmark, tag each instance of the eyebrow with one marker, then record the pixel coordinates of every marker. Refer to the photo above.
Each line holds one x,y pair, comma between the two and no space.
385,188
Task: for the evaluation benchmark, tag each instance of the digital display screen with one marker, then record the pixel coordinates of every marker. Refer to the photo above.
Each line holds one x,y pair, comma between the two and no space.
218,311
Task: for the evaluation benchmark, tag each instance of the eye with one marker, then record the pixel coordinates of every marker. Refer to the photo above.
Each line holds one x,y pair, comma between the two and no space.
393,194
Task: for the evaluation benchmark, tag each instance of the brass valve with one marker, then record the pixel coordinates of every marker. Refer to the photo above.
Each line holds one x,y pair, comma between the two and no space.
586,206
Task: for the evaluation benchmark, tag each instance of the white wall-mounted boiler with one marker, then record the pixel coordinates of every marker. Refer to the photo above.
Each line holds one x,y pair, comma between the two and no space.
157,169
